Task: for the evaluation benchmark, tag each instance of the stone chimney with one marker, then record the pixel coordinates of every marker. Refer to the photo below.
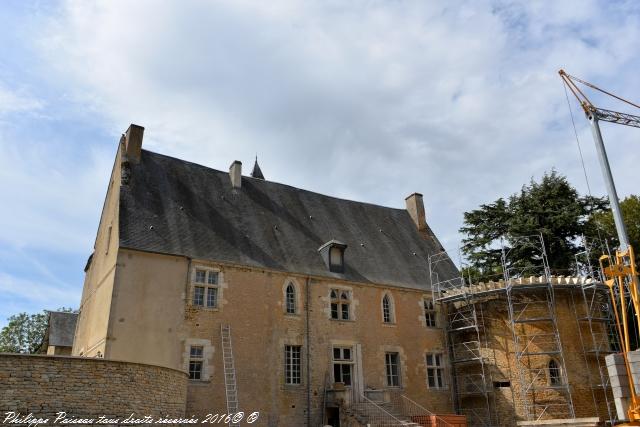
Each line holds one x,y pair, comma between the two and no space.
235,173
415,207
133,143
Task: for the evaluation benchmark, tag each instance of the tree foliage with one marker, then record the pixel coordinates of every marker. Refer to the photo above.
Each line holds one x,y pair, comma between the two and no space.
25,332
601,224
551,208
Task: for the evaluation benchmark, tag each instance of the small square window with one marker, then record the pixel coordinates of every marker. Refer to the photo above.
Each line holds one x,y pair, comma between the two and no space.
200,276
337,353
198,295
212,278
346,354
196,351
342,353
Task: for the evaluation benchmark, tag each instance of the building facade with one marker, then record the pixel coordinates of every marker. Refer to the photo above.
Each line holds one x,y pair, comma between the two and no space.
299,305
319,294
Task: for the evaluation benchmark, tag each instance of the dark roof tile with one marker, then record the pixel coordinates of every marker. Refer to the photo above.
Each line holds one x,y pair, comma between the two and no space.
176,207
62,328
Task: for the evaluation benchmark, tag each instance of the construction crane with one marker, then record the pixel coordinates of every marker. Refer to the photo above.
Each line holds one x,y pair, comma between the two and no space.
619,270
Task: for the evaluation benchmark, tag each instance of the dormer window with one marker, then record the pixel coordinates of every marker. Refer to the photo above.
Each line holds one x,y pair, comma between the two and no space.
335,258
332,253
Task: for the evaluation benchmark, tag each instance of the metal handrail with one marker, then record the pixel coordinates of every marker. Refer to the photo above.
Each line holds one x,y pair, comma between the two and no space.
369,401
426,410
376,415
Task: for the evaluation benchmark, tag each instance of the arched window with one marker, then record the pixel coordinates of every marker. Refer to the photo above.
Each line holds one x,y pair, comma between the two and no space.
555,375
340,305
291,299
387,309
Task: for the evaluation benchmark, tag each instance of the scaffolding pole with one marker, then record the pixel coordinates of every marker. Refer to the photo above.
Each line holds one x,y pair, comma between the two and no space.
532,308
466,335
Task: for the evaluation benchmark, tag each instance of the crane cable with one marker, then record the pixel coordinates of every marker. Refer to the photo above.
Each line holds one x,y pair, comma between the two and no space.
575,132
592,86
584,169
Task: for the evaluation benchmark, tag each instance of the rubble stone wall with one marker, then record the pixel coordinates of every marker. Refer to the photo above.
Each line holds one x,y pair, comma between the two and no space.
88,387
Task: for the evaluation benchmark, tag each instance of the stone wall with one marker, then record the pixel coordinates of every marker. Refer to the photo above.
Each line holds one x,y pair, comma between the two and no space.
582,370
88,387
251,301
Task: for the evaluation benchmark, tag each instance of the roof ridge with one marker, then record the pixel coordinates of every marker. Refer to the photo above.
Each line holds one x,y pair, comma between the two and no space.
269,182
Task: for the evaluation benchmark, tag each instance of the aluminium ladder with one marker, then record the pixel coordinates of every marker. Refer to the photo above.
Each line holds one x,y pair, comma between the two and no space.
230,385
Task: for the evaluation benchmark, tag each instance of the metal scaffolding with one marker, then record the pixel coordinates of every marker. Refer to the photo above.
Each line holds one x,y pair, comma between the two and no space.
468,350
596,330
536,339
527,291
470,360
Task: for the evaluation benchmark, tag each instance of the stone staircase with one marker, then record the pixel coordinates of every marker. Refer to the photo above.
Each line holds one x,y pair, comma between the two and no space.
373,414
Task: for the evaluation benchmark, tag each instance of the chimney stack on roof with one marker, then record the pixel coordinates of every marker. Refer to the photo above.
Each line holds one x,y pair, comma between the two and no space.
415,207
133,143
235,173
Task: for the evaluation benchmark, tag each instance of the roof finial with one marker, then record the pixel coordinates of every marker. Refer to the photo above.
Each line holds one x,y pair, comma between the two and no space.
257,173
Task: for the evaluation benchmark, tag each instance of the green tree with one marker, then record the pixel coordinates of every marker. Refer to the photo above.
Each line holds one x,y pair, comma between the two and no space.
601,223
483,228
551,208
25,332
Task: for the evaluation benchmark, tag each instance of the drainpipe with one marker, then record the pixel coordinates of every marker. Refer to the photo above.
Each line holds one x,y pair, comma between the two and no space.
188,282
308,352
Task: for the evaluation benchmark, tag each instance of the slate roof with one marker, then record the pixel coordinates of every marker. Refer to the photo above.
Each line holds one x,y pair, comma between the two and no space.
61,328
257,172
172,206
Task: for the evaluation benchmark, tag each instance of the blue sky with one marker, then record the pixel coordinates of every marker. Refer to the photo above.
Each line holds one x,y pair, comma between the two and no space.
370,100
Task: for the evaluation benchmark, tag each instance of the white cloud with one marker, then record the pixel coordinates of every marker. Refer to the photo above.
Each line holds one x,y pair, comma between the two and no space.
366,100
17,101
49,295
24,295
48,201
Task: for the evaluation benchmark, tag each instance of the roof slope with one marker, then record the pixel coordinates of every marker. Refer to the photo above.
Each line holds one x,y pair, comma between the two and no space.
176,207
61,328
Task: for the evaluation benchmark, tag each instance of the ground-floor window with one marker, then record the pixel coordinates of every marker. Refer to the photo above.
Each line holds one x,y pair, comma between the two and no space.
342,365
392,364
